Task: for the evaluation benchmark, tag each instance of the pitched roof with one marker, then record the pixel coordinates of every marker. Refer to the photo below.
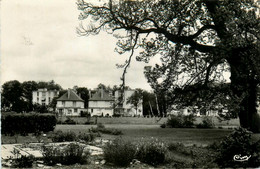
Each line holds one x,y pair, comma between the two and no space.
70,95
98,96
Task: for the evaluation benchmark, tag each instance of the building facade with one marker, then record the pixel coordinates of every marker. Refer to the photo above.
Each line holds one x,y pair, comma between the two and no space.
44,96
70,104
101,104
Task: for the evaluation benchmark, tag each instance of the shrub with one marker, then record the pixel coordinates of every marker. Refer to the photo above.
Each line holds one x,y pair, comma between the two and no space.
86,137
181,121
163,125
207,122
238,143
70,154
102,129
69,121
100,126
28,123
60,136
119,152
188,121
23,162
174,121
175,146
152,153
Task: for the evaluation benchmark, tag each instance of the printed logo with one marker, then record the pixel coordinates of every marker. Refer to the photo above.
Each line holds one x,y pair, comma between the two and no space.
241,158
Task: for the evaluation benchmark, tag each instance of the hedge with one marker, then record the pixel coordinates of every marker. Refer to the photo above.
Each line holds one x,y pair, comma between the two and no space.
28,123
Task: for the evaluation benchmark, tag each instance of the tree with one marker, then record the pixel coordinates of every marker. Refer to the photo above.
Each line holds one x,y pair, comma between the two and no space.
84,94
12,96
149,104
135,99
196,40
51,85
28,87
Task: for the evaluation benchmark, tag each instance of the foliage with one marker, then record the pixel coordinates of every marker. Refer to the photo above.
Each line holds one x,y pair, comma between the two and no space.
23,161
149,104
196,48
11,96
238,143
163,125
84,94
181,121
86,137
102,129
256,123
153,152
28,87
135,99
27,123
59,136
40,108
119,152
179,147
207,122
85,114
69,121
17,96
67,155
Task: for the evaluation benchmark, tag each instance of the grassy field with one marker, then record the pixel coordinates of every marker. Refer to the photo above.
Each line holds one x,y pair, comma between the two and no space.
146,121
134,133
135,128
187,136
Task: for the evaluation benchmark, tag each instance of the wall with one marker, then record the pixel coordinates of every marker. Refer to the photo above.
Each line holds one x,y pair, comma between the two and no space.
44,96
67,108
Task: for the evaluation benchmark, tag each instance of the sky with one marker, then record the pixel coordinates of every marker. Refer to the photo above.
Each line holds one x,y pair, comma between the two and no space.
39,42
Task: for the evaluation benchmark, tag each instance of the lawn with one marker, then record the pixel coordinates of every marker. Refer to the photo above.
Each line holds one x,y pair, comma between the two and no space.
134,133
145,121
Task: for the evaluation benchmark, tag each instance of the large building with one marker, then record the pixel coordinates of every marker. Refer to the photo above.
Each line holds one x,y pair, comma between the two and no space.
70,104
44,96
101,104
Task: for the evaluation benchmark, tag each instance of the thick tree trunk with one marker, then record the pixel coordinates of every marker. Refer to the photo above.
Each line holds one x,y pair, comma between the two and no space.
244,87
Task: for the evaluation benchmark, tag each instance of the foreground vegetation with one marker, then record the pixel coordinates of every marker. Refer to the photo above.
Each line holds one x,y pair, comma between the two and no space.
138,146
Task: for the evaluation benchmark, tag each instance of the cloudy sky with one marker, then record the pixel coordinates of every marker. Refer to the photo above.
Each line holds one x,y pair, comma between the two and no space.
39,42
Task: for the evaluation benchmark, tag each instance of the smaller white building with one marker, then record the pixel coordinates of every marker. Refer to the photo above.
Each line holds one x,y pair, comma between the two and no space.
44,96
70,104
101,104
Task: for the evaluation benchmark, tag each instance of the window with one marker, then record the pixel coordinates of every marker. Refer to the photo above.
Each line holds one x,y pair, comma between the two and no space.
49,99
75,110
37,99
63,103
37,93
74,103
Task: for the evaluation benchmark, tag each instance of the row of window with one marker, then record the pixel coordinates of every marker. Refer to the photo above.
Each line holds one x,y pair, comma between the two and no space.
74,103
69,111
44,99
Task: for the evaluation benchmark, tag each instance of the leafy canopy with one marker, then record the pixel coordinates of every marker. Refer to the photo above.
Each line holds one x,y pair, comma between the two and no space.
197,41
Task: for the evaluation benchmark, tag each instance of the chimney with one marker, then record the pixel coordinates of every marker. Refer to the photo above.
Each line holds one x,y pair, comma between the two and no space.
102,93
69,93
